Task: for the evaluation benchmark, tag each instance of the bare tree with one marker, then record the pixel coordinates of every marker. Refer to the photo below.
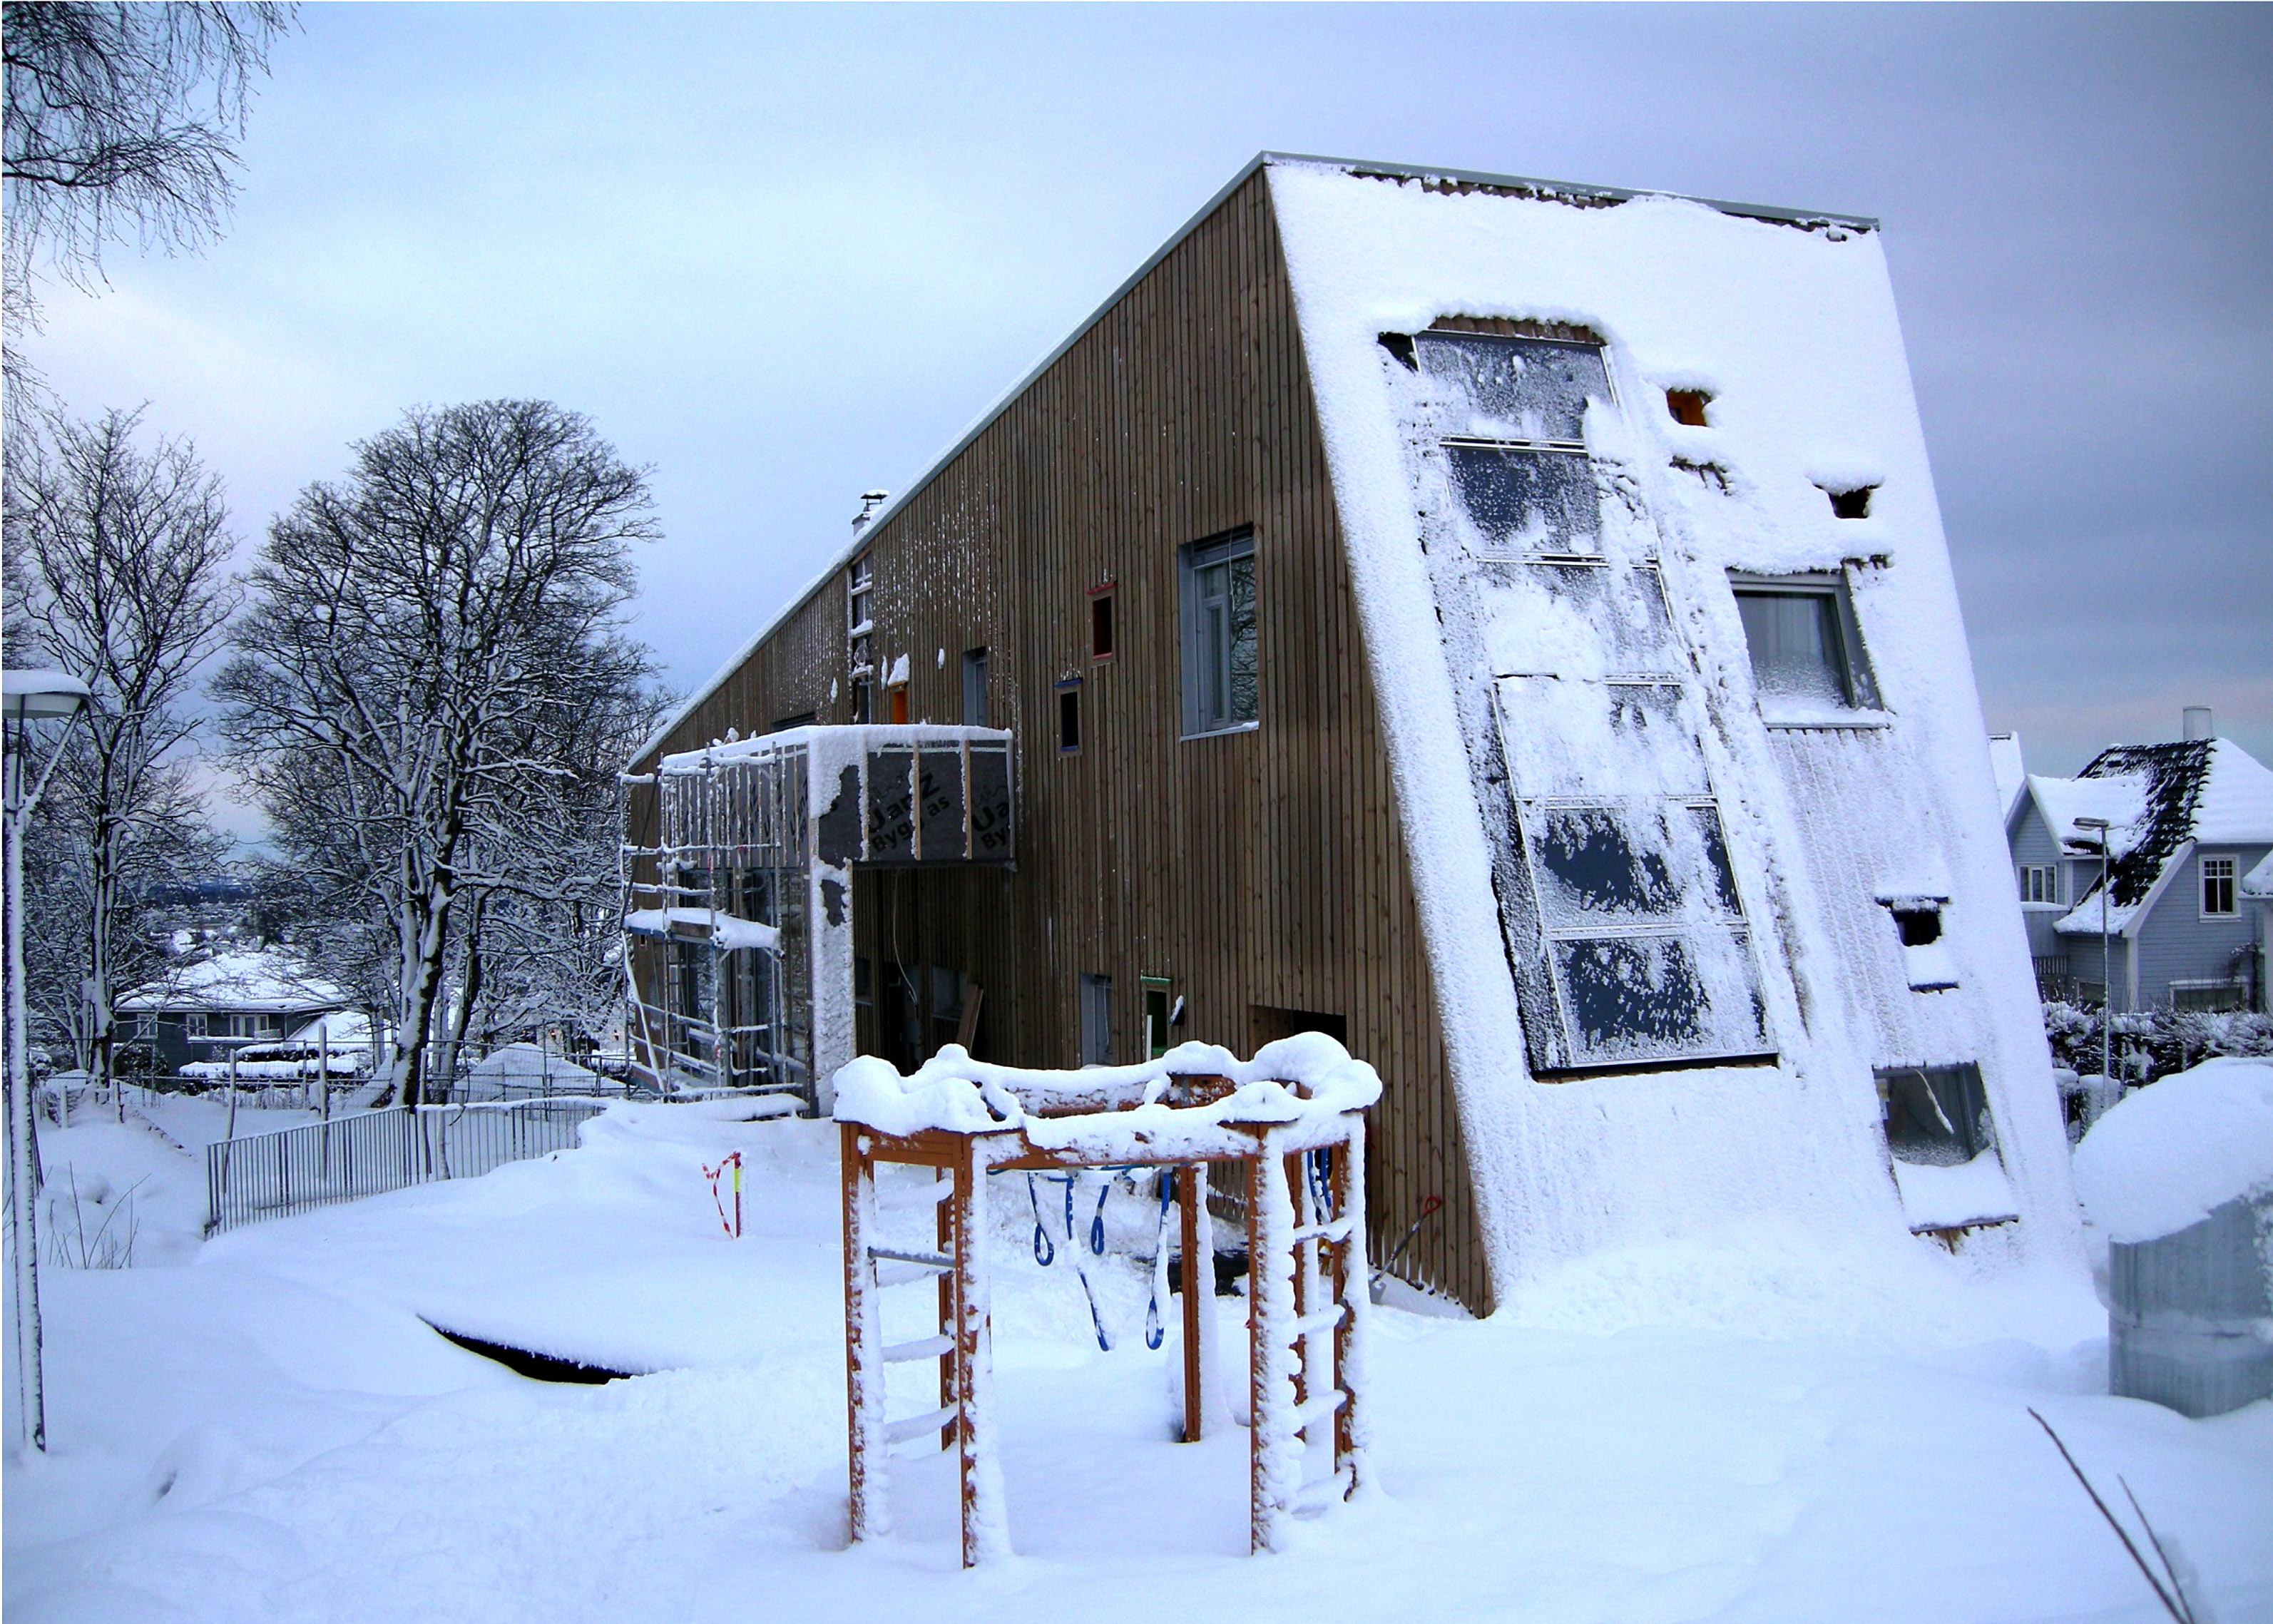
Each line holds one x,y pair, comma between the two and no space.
121,121
425,639
124,551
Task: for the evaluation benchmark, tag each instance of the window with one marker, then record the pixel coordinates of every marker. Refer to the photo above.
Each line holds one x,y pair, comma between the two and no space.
1219,627
1687,406
898,695
193,1025
1156,1015
859,640
1807,652
145,1027
1101,622
2040,882
2208,996
1852,504
1936,1115
1512,413
974,687
2217,887
1096,1021
1069,717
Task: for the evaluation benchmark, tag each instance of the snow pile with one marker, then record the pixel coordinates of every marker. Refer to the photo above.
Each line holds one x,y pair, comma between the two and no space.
2160,1161
1306,1077
1949,1197
522,1062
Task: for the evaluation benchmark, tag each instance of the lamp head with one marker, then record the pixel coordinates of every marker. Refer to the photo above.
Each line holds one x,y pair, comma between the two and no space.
41,696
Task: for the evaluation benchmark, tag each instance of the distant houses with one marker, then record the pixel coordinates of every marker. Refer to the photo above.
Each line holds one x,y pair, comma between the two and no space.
202,1008
2183,880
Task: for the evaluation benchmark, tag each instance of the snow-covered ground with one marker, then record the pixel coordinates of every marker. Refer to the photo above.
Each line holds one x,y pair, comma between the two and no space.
1743,1425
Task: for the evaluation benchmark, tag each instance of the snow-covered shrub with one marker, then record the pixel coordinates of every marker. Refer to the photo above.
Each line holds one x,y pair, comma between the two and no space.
2151,1043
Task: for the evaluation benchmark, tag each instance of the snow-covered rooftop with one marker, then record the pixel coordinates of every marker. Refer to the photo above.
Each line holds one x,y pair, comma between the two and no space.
2209,791
2005,761
249,979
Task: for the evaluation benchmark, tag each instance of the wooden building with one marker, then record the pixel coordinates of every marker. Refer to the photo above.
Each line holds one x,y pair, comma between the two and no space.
1223,568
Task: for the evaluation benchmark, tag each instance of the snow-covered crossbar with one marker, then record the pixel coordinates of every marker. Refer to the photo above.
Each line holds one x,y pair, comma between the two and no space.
1294,1117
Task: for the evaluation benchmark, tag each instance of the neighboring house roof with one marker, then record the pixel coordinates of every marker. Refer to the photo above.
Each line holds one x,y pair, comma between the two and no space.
2259,881
243,980
2173,796
2012,776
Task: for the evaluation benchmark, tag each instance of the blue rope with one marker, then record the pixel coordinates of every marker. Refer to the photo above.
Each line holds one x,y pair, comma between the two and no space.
1045,1252
1155,1333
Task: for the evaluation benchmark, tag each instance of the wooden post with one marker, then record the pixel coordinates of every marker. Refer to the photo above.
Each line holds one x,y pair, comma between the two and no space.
950,1434
1352,1285
1199,1292
870,1509
1274,1462
985,1534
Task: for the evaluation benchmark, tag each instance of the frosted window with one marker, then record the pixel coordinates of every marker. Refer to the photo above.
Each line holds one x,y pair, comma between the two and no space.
1805,654
1220,666
1568,739
1528,501
1582,621
1651,998
1598,864
1514,388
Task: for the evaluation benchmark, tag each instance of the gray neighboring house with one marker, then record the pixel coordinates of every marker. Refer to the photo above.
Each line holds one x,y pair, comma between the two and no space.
2193,833
201,1008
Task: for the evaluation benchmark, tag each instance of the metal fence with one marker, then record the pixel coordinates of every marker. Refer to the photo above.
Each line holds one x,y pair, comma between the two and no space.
290,1171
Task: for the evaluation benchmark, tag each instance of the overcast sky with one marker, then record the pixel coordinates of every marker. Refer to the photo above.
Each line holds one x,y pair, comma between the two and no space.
786,255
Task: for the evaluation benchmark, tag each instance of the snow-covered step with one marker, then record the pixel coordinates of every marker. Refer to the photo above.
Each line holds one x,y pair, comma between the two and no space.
1325,1319
1335,1231
922,1348
1320,1409
916,1426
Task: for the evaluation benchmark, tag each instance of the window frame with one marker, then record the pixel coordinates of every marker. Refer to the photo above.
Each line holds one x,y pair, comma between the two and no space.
2050,874
194,1025
2230,877
1068,690
1197,651
975,676
1103,616
1864,702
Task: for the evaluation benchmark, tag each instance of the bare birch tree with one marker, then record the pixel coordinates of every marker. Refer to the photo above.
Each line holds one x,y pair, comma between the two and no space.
426,638
123,553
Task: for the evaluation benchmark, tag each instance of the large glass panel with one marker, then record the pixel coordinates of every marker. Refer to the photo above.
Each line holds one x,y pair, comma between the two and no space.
1569,740
1797,652
1583,620
1936,1115
1639,999
1223,592
1528,501
1515,389
1625,862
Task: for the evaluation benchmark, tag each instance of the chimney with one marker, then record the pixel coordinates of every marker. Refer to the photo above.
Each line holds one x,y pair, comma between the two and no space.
2195,723
870,500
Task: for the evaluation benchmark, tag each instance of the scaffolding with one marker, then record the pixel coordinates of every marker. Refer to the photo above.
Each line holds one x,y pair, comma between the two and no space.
738,908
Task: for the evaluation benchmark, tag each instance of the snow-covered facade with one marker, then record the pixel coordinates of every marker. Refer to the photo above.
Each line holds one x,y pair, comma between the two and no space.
1507,626
202,1008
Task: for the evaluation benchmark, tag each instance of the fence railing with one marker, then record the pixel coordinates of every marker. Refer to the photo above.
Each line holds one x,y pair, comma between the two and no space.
293,1169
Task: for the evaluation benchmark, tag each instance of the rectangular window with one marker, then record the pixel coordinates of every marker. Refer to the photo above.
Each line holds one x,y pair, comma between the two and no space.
193,1025
145,1027
1101,622
974,687
1096,1021
1513,415
1156,1017
2217,887
1217,579
864,701
1069,717
2040,882
859,642
1936,1115
1807,653
2209,997
898,692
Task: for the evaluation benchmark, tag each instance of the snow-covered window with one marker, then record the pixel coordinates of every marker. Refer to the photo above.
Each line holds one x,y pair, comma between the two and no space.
2040,882
1643,936
2217,887
1513,414
1807,654
1218,634
1936,1115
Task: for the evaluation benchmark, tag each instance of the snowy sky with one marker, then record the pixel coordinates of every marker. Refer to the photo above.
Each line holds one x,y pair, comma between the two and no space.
784,255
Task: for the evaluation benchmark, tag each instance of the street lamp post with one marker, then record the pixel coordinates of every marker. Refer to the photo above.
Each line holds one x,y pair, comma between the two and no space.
2100,826
27,698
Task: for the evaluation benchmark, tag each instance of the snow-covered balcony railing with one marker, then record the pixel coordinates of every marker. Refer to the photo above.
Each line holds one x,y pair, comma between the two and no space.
1294,1118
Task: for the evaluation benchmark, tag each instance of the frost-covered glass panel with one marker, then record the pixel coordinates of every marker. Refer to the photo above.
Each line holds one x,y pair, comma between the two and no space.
1632,999
1938,1116
1528,501
1796,646
1568,739
1514,388
1627,862
1585,621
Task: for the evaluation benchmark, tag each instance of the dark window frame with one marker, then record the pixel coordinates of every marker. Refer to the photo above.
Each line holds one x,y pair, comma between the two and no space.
1212,699
1104,630
1069,709
1855,678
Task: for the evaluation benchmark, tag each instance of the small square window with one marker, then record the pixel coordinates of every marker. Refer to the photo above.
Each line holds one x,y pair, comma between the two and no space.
1217,579
1807,652
1069,717
1687,406
1936,1115
1855,504
2217,887
1100,623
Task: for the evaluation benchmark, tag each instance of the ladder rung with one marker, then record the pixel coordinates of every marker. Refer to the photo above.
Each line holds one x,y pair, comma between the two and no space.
1325,1319
938,1261
916,1426
904,1274
1335,1231
1320,1409
922,1348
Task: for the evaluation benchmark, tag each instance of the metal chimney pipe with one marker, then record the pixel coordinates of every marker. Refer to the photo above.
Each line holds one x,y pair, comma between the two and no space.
2196,723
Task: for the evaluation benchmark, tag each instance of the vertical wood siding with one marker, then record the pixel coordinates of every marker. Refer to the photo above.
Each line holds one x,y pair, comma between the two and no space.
1257,869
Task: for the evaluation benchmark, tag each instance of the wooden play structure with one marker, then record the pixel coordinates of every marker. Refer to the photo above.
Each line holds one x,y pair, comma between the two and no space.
1302,1147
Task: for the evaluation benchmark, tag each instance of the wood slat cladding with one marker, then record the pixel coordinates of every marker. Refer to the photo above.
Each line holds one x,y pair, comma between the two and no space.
1260,872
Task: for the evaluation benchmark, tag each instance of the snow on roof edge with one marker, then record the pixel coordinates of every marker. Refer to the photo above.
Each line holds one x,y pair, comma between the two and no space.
1545,191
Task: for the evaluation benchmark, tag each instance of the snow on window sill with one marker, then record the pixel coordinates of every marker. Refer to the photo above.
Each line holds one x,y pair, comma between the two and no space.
1217,733
1796,721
